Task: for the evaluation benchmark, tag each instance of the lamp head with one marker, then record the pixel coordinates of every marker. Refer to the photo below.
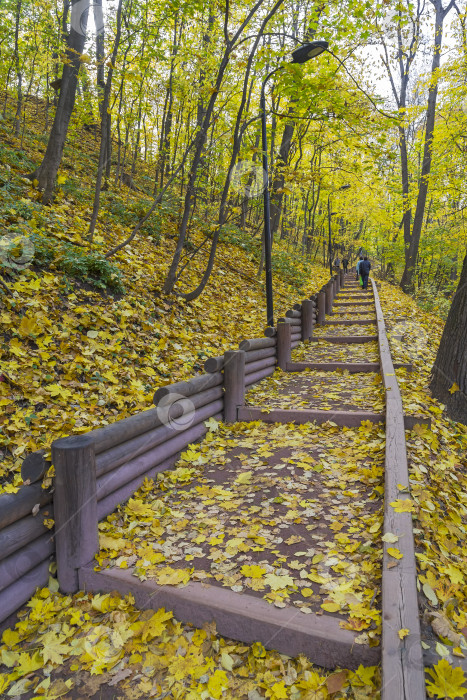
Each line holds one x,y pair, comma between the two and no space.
344,187
307,51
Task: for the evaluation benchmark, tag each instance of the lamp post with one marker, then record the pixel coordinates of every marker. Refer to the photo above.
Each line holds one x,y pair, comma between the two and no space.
344,187
301,55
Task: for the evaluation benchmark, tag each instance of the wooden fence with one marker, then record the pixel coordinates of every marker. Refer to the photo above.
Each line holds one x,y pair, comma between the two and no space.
97,471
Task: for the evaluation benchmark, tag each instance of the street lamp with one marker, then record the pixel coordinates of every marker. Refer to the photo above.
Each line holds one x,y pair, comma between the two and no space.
301,55
344,187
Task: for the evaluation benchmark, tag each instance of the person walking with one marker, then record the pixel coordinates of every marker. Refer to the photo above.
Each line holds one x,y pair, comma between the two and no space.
337,263
345,264
365,268
358,267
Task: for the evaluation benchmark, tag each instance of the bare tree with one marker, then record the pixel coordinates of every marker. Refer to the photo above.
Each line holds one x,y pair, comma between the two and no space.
46,173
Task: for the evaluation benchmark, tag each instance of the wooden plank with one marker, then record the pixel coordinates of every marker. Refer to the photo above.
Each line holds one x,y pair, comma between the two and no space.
34,467
307,319
214,364
15,506
283,344
351,367
349,419
321,308
189,388
18,566
22,532
352,322
255,355
257,344
292,321
284,415
255,377
234,383
293,313
329,296
362,312
16,595
354,303
75,507
402,660
347,338
260,364
242,617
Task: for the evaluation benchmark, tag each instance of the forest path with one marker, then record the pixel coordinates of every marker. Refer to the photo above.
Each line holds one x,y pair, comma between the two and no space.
272,526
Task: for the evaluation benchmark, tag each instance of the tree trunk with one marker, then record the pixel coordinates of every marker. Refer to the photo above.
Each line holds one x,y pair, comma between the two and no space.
277,193
237,139
19,75
46,173
100,52
104,131
450,368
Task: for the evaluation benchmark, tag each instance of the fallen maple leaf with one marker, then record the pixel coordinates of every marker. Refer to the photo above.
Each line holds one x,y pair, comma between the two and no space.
447,681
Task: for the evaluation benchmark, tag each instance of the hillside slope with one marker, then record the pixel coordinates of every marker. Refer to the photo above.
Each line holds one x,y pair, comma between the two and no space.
85,343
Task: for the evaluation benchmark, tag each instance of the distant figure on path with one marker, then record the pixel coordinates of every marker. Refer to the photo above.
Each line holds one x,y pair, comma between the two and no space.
337,264
365,268
345,264
359,262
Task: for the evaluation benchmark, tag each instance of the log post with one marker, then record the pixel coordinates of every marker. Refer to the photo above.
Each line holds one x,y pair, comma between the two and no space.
342,274
329,297
337,283
284,345
321,308
307,319
234,383
75,507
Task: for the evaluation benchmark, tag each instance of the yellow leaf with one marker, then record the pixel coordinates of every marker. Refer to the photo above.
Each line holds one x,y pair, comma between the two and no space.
217,683
277,583
172,577
252,571
244,478
54,648
404,632
394,552
403,505
447,681
155,625
390,538
455,387
331,607
106,542
28,326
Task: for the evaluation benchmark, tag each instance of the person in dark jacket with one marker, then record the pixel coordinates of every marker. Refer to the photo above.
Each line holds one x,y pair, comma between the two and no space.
345,264
364,270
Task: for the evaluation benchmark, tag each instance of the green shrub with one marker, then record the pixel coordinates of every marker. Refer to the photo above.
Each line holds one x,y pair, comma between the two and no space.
92,268
88,267
287,267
